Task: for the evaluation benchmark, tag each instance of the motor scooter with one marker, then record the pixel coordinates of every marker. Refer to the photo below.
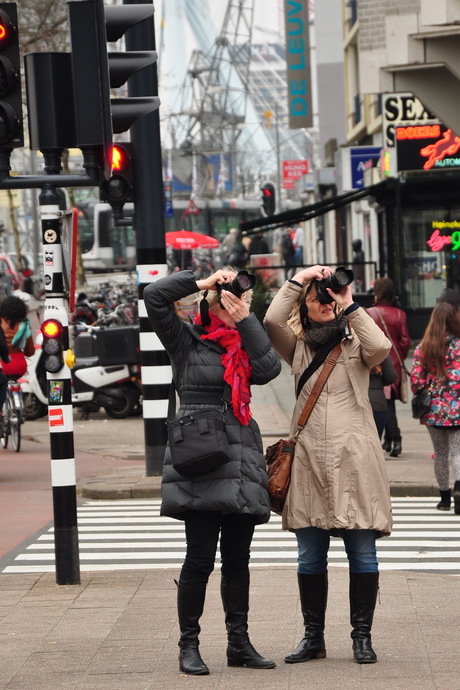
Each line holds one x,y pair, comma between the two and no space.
106,374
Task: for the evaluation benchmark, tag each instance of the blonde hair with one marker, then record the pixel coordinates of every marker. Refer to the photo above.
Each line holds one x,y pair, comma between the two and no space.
294,321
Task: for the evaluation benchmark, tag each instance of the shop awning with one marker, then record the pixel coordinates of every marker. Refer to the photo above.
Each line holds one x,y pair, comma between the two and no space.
318,208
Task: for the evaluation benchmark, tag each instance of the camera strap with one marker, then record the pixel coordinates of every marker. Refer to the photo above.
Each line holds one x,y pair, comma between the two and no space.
331,361
319,357
204,310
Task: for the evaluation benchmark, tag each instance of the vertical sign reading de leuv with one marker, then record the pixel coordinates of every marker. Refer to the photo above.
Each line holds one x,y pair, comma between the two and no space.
298,64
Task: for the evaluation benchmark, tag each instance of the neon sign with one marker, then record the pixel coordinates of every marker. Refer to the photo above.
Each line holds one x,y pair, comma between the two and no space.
438,241
418,132
447,146
427,147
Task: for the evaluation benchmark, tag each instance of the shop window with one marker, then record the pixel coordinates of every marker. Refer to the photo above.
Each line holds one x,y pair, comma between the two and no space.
431,241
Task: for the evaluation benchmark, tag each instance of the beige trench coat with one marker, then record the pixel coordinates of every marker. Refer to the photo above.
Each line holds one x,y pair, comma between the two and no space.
339,478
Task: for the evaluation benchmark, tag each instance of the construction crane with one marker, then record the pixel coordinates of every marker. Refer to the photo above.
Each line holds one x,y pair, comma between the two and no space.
233,100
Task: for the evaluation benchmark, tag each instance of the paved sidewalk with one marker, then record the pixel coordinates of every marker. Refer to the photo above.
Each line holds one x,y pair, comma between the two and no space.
119,631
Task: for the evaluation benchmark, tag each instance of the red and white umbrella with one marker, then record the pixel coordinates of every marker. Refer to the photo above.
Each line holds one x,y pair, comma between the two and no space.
184,239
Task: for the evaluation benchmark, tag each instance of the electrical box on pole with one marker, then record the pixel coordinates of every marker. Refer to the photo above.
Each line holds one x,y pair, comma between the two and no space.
11,131
95,71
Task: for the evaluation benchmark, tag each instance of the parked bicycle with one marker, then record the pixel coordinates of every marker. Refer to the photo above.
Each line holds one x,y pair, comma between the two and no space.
13,416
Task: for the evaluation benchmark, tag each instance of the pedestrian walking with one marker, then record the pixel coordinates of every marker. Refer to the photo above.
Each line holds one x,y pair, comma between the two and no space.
239,255
17,333
381,375
339,486
258,244
225,348
436,368
228,242
393,323
299,239
288,252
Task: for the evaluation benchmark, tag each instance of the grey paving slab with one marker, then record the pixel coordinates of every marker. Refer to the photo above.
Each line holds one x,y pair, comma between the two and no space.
132,643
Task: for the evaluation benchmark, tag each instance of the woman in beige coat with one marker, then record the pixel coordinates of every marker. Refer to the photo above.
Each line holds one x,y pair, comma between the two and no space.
339,485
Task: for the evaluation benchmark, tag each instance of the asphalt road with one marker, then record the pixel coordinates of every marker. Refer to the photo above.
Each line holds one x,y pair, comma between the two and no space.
26,503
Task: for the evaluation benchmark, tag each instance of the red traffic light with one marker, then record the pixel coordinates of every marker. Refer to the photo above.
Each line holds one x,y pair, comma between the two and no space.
120,158
268,198
7,29
51,328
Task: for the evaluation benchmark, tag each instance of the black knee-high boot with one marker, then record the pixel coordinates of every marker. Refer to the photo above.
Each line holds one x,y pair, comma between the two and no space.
363,596
190,604
235,599
313,600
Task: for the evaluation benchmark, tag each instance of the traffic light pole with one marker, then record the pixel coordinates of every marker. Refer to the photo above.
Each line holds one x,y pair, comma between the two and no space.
60,415
150,245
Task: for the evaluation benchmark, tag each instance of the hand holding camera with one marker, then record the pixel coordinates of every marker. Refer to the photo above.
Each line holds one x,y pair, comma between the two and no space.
220,277
336,287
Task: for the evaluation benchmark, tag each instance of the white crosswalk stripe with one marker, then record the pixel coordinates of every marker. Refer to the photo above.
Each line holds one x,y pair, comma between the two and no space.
131,535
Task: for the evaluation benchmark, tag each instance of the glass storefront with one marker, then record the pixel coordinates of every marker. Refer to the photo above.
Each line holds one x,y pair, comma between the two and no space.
431,241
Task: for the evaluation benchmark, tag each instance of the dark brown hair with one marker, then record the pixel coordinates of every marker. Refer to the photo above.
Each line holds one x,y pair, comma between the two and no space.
444,321
385,291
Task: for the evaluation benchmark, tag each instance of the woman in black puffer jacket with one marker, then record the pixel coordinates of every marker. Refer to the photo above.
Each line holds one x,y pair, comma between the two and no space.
225,345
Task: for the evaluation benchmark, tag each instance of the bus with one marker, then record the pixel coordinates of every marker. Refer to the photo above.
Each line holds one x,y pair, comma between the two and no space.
107,247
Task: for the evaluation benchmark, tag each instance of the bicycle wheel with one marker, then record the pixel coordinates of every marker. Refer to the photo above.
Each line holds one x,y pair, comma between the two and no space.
15,431
14,423
6,423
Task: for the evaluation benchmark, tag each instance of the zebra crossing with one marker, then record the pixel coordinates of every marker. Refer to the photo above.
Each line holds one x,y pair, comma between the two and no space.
131,535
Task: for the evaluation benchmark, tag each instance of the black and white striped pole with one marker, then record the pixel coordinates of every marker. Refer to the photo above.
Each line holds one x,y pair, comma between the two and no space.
55,330
149,224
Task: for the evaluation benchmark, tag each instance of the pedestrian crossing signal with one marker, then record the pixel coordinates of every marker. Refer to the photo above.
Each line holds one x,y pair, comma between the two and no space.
53,345
119,188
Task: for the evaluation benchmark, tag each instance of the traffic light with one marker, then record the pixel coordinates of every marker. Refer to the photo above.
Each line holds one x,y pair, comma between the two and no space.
95,71
268,198
53,345
119,188
11,132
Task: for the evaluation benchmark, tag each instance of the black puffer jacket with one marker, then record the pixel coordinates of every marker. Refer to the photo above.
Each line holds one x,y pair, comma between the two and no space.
239,486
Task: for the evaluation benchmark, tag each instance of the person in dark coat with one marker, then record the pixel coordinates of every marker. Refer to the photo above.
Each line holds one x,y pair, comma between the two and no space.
393,322
381,375
259,245
226,344
358,265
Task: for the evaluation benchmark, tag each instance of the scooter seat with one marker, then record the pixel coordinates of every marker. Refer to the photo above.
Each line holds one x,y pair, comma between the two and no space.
86,362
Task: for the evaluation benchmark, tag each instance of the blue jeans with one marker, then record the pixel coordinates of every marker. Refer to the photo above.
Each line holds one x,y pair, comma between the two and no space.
313,545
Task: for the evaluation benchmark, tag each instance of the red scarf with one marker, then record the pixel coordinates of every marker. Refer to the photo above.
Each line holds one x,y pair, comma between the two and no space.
235,361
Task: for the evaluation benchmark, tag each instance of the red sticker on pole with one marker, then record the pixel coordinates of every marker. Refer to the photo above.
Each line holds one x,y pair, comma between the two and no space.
56,416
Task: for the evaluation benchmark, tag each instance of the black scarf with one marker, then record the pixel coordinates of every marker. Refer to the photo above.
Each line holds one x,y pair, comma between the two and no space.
322,338
317,334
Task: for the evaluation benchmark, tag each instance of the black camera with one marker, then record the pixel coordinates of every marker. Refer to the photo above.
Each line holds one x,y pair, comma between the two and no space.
243,282
339,279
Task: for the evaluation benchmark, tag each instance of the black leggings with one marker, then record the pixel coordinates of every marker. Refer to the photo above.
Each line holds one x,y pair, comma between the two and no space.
392,430
202,531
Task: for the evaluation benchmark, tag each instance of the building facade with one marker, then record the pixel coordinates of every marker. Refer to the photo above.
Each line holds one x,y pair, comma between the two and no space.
401,61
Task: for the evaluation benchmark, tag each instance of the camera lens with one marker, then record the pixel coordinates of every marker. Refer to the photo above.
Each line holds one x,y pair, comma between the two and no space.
341,277
243,282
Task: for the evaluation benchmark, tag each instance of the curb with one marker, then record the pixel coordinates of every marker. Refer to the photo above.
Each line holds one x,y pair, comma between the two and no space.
150,487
